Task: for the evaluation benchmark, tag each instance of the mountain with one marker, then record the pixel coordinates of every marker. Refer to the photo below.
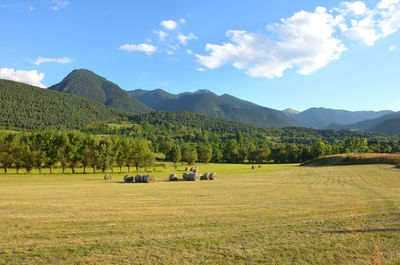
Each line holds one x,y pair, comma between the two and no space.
207,103
388,124
291,112
87,84
29,107
323,118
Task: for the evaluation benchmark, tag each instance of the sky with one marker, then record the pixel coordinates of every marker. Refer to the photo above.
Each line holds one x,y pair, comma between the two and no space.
277,53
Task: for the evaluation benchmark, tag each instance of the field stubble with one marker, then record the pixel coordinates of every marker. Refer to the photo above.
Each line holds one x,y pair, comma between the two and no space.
277,214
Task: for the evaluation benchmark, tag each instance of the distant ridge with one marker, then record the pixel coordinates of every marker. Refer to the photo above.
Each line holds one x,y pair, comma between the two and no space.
207,103
87,84
324,118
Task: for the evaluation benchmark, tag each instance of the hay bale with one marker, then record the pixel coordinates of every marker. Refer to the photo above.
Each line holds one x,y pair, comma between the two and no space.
186,169
107,177
191,177
204,176
148,179
253,167
212,176
259,166
137,178
128,179
191,169
173,177
195,170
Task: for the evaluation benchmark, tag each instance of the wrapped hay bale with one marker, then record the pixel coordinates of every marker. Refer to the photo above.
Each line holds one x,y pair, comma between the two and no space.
137,178
191,177
195,170
212,176
259,166
204,176
107,177
128,179
253,167
173,177
148,179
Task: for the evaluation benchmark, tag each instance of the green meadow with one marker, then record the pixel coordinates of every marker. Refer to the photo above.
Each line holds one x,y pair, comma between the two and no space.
276,214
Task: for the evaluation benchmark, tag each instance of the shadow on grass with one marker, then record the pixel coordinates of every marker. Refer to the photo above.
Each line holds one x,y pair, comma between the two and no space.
362,231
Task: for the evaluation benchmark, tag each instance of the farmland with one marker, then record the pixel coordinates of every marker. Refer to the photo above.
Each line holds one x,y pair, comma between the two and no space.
275,214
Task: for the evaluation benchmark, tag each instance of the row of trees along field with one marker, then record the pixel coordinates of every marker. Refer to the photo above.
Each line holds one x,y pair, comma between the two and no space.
75,149
72,149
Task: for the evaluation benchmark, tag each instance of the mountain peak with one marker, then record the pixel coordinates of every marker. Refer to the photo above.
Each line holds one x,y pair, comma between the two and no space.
291,111
85,83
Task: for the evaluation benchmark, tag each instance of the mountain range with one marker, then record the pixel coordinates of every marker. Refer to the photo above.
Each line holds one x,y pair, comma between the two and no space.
207,103
99,91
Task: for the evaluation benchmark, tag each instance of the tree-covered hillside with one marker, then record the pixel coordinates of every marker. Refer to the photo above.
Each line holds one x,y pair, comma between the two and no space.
210,104
29,107
87,84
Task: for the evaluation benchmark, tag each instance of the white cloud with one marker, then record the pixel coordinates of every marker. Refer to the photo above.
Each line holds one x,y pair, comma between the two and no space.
189,51
169,52
169,24
146,48
306,41
182,21
161,34
201,69
393,48
59,4
29,77
41,60
183,39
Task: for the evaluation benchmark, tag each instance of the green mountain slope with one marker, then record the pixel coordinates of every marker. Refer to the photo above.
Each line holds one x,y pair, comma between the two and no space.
208,103
390,126
30,107
87,84
323,118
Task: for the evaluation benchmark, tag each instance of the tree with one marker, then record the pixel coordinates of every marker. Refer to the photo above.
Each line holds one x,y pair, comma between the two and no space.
205,153
51,144
7,144
140,153
119,149
36,142
104,155
190,155
75,143
231,151
174,155
64,151
87,151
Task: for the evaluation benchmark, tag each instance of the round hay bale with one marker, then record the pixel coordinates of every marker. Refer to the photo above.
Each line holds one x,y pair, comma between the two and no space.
195,170
107,177
204,176
148,179
128,179
192,177
212,176
173,177
186,169
137,178
253,167
259,166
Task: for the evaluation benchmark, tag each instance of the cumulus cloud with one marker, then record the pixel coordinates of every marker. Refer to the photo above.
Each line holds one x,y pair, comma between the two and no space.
305,40
183,39
169,24
161,34
41,60
59,4
29,77
146,48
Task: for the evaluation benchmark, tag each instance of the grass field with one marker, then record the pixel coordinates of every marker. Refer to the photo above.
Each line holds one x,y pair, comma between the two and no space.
278,214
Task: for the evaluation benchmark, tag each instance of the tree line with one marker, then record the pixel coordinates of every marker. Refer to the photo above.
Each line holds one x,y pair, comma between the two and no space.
72,149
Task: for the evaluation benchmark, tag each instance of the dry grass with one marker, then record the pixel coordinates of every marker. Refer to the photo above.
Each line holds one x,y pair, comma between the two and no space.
279,214
355,159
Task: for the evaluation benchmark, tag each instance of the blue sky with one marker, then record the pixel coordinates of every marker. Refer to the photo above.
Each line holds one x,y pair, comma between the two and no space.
276,53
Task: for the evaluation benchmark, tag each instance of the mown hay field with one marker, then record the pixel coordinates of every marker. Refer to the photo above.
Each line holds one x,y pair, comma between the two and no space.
277,214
